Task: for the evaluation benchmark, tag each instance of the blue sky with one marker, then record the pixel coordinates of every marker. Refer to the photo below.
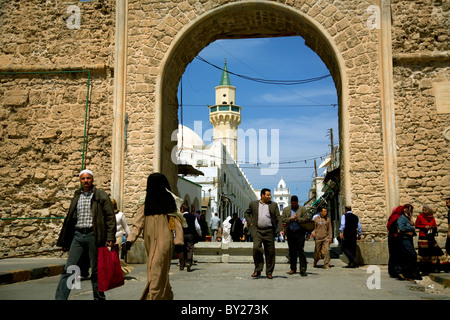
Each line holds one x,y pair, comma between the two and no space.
301,115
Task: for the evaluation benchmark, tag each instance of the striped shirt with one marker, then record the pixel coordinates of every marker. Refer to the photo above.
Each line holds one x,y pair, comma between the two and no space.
84,215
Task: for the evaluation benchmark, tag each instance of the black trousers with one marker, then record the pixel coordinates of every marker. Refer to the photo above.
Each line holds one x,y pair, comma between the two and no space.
264,237
408,258
349,247
296,243
393,246
187,255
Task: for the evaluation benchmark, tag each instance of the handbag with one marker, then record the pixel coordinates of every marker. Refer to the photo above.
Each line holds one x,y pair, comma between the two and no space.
308,226
109,270
179,233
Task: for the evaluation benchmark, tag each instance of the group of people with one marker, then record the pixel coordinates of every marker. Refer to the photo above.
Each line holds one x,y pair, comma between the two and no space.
265,223
404,261
93,221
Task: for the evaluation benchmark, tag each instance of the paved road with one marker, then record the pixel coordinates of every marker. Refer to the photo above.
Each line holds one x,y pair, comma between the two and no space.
232,282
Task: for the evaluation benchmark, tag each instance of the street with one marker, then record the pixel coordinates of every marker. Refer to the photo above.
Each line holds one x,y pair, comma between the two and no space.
232,282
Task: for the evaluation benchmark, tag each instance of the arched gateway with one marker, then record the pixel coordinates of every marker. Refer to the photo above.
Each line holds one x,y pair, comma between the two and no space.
391,79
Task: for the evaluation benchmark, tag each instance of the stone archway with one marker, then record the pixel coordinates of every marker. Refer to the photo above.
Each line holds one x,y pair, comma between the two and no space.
163,39
238,21
373,56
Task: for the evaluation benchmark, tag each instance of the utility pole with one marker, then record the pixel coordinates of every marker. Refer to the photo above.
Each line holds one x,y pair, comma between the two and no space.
315,167
332,149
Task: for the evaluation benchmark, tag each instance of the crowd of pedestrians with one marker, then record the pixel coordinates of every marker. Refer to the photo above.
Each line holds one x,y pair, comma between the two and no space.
404,261
93,221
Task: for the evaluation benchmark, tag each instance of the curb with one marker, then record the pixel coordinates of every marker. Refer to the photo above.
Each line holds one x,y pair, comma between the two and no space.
443,279
9,277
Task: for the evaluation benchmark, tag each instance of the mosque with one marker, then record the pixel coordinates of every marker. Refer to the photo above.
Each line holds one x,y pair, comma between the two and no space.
225,188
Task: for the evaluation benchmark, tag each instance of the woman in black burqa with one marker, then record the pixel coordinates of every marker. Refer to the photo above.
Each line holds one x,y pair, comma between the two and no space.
152,217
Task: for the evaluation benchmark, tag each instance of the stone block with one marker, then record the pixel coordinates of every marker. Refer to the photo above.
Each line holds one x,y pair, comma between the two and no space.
374,252
15,98
137,253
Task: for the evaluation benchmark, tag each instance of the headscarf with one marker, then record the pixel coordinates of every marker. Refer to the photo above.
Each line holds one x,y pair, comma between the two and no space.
430,209
428,217
411,208
86,171
396,212
158,199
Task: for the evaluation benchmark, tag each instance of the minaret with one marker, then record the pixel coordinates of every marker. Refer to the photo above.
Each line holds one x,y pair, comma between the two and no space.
225,116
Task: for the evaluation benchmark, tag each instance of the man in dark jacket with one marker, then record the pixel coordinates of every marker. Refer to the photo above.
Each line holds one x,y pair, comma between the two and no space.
237,228
350,231
89,224
191,234
292,217
264,221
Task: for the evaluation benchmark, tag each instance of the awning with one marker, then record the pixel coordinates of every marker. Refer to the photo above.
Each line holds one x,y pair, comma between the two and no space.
325,162
333,174
205,202
187,169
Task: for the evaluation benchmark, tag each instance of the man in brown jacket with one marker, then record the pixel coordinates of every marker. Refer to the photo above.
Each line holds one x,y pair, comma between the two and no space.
323,234
264,221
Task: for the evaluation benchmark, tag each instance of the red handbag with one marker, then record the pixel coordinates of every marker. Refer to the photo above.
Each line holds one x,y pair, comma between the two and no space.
109,271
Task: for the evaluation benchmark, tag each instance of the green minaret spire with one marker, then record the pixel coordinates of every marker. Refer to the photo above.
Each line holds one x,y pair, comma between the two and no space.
225,81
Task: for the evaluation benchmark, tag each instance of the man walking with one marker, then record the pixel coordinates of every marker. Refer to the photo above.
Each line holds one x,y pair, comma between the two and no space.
237,228
214,226
350,230
292,217
191,233
263,219
323,234
90,224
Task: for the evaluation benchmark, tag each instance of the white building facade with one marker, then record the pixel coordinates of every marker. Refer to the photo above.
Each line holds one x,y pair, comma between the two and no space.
225,188
281,195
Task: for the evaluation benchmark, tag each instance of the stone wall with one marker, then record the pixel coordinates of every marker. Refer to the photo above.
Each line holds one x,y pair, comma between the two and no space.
421,31
44,83
165,36
42,114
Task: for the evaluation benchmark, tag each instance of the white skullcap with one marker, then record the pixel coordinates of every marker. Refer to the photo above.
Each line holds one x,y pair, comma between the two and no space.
86,171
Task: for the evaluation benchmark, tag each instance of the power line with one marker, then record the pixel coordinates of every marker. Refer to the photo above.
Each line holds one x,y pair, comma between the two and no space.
275,106
266,81
256,71
255,164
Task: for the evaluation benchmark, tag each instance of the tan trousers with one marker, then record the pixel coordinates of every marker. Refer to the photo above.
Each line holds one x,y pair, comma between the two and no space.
158,241
322,245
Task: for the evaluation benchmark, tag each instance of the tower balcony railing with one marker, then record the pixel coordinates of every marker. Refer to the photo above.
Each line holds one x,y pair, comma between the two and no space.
224,108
